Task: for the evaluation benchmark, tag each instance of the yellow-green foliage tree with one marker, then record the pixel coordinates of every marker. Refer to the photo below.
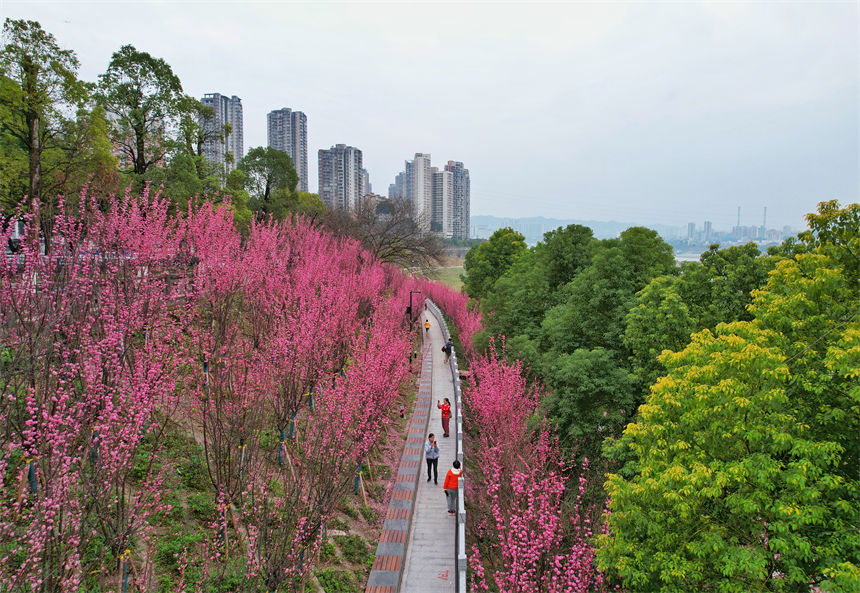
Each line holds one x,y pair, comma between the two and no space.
741,470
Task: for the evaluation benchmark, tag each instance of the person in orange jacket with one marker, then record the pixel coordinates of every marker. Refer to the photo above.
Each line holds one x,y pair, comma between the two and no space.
450,486
426,326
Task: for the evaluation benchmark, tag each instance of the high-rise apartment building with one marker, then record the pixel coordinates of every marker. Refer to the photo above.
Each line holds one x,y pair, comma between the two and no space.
421,182
461,199
440,199
691,231
220,147
708,231
288,131
365,183
398,189
442,221
340,176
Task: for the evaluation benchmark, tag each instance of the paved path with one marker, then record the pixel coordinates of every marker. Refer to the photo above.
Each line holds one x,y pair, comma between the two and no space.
429,566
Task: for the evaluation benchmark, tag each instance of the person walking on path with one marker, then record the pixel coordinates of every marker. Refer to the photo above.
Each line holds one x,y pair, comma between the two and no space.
431,454
427,326
450,486
446,414
447,349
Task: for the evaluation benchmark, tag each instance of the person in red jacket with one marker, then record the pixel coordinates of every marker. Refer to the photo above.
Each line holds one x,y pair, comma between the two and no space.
446,415
450,486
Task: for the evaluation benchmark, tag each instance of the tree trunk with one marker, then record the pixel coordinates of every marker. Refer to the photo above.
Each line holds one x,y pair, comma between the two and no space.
140,157
34,140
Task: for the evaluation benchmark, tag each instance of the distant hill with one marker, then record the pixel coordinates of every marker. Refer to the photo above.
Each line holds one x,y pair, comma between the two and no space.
533,228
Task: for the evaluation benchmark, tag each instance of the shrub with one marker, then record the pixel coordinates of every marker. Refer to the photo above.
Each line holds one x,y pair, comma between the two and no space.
370,514
171,545
353,547
350,511
201,505
327,551
337,581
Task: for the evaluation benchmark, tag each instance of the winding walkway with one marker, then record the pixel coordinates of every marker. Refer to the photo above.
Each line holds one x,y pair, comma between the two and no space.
416,552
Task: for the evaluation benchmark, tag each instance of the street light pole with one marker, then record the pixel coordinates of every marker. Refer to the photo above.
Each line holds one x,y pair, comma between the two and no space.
411,310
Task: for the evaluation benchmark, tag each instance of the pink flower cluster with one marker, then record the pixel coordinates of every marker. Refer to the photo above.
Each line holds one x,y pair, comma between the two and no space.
283,351
531,537
455,305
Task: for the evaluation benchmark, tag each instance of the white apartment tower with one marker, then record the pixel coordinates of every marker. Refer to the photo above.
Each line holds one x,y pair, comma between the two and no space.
422,189
461,193
340,176
288,132
218,147
442,221
365,183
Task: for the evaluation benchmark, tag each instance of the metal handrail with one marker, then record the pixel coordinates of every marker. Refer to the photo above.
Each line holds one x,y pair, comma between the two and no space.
460,555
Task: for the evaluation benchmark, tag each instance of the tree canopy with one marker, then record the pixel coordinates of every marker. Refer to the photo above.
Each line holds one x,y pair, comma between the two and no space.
486,262
741,469
144,97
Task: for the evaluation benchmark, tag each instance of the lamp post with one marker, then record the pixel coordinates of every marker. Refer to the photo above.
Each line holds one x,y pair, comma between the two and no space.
411,317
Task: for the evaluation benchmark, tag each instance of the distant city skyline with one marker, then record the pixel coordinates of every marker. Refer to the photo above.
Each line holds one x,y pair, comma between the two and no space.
642,112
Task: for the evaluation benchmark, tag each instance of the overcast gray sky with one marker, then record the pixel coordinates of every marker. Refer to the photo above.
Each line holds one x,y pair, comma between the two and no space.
638,112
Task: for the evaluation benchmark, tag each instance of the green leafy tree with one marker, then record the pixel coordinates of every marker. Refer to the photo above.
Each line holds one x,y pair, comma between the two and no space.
592,397
234,189
660,320
837,230
144,100
719,289
485,263
566,252
744,456
595,303
308,204
180,179
518,299
38,81
271,180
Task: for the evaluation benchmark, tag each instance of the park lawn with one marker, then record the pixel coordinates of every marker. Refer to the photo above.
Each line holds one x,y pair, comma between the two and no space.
449,276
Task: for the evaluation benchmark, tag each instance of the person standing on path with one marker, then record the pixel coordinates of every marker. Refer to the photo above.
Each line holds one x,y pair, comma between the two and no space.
446,415
426,326
447,349
431,454
450,486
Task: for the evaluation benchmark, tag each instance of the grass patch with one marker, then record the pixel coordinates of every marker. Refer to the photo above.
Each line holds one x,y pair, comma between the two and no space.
201,505
350,511
370,515
353,547
327,551
337,581
449,276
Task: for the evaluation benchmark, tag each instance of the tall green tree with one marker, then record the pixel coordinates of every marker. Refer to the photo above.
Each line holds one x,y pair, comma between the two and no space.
39,80
271,179
745,455
566,252
144,100
485,263
592,396
595,303
660,320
